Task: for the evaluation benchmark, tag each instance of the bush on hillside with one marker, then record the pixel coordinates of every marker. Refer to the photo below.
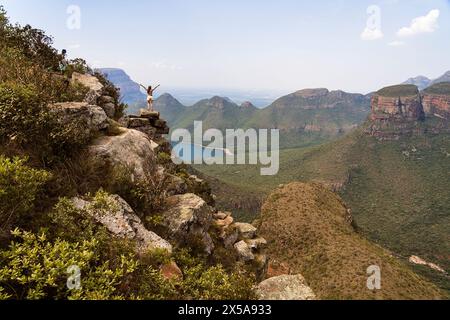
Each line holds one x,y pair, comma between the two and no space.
35,268
20,186
26,122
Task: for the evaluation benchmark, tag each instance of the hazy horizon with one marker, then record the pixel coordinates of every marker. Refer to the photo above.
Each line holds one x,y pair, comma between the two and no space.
272,47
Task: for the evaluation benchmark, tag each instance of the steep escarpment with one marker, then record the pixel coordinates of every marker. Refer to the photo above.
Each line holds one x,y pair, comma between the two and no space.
309,231
436,101
403,111
396,111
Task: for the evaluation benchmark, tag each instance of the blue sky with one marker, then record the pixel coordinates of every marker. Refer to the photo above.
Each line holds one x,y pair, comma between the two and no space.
282,45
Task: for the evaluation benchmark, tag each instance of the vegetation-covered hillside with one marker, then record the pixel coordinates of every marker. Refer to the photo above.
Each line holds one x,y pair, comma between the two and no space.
309,229
63,210
397,190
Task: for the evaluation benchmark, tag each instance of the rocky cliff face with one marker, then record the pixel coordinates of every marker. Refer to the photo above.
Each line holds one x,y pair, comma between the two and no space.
189,218
396,111
436,101
402,110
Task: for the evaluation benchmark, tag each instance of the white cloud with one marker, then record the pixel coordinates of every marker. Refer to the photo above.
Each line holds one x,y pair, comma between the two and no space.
371,34
424,24
396,44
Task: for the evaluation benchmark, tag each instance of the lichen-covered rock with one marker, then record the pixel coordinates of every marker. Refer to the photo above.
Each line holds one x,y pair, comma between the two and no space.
244,251
132,150
189,216
285,287
175,185
106,99
246,230
229,237
224,223
110,109
90,117
91,82
122,222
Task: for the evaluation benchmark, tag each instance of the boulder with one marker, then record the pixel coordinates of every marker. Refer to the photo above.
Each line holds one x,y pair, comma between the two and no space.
222,215
175,185
90,117
110,109
188,217
122,222
91,82
131,150
246,230
229,237
224,223
106,99
244,251
285,287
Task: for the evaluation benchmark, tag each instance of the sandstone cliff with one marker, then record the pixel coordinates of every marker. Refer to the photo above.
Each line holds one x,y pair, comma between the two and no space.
436,100
396,111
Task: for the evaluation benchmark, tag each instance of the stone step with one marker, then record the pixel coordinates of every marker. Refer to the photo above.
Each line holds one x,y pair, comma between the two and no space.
149,114
138,122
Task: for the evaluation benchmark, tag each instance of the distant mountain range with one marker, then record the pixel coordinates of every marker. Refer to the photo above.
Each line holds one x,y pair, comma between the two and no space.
423,82
130,91
305,117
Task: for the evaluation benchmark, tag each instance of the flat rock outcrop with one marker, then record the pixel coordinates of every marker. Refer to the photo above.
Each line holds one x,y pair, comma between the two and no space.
82,114
131,150
92,83
148,122
285,287
122,222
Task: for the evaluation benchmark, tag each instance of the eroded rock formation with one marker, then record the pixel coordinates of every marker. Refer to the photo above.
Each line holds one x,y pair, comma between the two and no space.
396,111
122,222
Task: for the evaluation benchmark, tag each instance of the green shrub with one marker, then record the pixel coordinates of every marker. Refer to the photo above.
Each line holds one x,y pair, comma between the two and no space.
212,283
19,188
26,121
35,268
